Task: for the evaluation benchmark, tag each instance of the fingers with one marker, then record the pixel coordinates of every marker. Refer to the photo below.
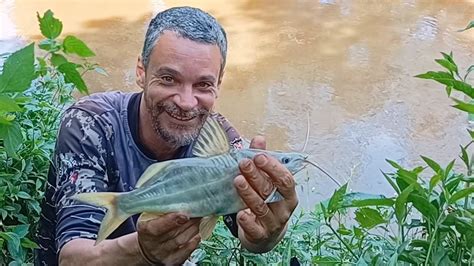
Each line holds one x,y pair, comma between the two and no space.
256,178
249,226
163,224
280,176
184,234
258,142
185,251
255,203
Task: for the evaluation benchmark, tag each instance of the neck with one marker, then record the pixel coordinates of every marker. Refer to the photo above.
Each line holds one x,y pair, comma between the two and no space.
154,143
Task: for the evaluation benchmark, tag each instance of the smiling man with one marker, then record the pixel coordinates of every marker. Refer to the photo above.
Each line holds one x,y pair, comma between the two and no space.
107,140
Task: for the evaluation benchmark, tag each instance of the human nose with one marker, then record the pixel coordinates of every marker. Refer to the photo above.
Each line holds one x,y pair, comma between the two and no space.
185,98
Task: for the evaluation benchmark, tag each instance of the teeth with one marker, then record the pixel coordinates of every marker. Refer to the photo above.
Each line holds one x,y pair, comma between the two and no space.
181,118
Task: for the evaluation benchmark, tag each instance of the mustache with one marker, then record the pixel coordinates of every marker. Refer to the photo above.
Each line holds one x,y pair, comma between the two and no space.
175,110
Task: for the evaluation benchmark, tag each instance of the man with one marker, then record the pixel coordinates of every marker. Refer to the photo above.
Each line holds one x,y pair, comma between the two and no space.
107,140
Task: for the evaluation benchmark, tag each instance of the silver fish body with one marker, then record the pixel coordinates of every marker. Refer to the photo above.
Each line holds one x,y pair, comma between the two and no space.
197,186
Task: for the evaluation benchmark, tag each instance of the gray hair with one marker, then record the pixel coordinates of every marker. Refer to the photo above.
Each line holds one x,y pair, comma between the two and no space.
190,23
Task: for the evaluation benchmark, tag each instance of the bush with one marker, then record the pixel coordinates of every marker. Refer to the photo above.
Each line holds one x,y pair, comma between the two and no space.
33,93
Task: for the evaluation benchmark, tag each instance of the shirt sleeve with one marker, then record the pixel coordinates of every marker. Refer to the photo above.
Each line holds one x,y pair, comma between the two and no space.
82,163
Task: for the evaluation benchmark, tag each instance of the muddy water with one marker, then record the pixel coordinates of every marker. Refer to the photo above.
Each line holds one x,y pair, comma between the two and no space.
348,65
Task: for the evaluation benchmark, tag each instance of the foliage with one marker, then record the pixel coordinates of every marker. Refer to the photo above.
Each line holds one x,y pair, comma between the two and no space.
33,93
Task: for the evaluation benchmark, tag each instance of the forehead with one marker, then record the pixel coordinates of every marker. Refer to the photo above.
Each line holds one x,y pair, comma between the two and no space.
172,49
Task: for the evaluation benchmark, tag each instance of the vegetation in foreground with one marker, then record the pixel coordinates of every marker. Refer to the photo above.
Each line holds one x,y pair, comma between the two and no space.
430,221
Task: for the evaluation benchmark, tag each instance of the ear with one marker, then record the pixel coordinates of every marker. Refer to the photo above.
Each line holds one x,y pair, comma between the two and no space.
140,73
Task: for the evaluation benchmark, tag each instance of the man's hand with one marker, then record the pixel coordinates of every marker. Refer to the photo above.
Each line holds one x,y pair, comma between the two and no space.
262,226
169,239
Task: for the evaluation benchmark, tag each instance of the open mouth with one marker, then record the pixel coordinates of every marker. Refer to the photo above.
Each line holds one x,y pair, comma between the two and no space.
181,118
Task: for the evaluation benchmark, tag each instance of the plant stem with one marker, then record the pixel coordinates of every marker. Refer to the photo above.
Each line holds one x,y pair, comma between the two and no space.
434,236
342,240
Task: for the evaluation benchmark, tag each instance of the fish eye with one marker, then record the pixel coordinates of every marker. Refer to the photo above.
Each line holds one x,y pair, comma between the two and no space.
285,160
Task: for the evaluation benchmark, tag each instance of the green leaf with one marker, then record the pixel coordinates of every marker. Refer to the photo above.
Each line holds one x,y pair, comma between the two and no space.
424,206
463,106
391,182
7,104
325,260
18,70
73,45
27,243
13,241
400,203
434,181
369,218
449,90
23,195
448,65
50,26
359,199
58,59
12,138
467,179
71,75
335,202
448,80
470,25
461,194
432,164
21,230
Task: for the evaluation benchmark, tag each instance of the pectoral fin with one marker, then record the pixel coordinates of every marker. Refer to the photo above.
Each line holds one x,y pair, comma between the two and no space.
207,226
146,216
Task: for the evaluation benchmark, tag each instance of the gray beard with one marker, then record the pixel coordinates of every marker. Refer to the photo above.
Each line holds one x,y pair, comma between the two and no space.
181,135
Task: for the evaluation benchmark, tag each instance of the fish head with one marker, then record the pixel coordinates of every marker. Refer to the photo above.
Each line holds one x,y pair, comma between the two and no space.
293,161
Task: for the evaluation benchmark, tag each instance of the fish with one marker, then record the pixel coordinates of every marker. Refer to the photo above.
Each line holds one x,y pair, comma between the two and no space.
200,186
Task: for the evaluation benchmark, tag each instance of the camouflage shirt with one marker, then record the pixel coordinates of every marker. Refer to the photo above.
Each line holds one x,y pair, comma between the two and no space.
97,150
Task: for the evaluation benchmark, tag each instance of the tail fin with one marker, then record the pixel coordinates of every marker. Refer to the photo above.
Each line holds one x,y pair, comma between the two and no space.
114,216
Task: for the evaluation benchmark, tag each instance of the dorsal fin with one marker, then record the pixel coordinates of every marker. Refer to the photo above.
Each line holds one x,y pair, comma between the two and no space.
151,173
212,139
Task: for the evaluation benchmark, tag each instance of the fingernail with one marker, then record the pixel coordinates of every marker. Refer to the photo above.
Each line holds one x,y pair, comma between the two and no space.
247,165
182,219
261,159
241,183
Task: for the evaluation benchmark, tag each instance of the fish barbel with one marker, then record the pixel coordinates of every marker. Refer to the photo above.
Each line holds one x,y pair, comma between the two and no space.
200,186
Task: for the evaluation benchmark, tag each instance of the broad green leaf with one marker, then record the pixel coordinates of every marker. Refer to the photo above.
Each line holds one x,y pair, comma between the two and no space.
394,164
12,138
463,106
420,243
448,80
335,202
21,230
424,206
359,199
432,164
13,241
461,194
73,45
434,181
471,133
369,218
400,203
449,168
464,156
71,75
50,26
27,243
58,59
23,195
468,179
18,70
470,25
448,65
449,57
7,104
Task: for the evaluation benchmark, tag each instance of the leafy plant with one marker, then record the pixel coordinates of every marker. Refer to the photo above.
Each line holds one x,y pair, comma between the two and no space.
33,93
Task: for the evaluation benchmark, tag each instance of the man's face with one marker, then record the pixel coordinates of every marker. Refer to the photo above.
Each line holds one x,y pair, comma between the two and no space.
181,84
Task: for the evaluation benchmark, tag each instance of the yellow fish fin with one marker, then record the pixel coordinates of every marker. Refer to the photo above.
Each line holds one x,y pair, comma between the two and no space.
212,139
207,226
146,216
114,216
151,173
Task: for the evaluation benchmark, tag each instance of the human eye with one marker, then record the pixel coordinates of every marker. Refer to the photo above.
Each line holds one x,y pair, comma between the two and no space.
167,80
